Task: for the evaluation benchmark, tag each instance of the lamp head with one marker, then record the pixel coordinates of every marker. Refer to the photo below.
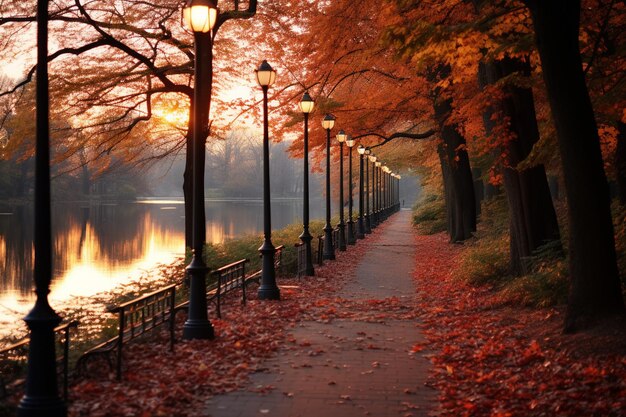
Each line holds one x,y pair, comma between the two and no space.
328,122
199,16
361,150
341,136
368,151
265,74
307,103
350,142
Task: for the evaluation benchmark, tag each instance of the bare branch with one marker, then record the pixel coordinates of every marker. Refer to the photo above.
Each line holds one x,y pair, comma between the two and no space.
404,135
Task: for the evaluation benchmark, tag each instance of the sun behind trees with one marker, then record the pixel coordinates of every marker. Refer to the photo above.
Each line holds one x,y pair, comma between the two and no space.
456,88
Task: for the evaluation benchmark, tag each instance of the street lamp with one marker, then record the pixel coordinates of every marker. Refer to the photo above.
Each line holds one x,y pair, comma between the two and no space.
385,190
377,214
329,250
42,396
368,213
360,230
268,290
399,199
306,106
373,217
351,231
199,16
341,138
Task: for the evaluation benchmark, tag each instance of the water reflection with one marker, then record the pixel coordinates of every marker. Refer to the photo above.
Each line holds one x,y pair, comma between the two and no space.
99,246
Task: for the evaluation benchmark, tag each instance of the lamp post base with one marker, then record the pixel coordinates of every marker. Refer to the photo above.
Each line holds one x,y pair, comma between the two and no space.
306,238
41,406
329,249
342,237
268,290
41,398
360,228
197,325
351,238
198,329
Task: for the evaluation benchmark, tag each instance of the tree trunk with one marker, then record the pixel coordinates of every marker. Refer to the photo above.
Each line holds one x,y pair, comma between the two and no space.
532,217
595,286
620,163
457,174
479,189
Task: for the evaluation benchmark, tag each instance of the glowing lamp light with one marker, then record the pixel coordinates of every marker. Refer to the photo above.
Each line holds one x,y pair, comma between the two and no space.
307,103
200,15
378,164
361,150
350,142
328,122
265,74
341,136
373,158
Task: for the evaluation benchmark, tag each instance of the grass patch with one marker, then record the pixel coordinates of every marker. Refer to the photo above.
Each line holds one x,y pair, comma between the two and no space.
429,214
487,262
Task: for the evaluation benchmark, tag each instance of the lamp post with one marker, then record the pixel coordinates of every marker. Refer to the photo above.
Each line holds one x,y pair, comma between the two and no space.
329,250
360,229
399,200
368,213
385,191
42,397
268,290
374,193
351,229
199,16
341,138
306,105
377,214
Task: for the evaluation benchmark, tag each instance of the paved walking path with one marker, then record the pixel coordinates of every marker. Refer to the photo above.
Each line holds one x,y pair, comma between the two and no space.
349,368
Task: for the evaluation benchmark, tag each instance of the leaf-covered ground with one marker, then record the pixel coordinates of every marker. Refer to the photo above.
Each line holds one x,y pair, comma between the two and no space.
494,360
157,382
488,359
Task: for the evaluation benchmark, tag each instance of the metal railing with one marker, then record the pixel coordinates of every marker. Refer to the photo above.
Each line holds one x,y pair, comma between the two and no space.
13,360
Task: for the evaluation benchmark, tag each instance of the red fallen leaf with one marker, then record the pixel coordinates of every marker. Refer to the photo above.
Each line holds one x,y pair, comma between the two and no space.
345,397
375,364
417,348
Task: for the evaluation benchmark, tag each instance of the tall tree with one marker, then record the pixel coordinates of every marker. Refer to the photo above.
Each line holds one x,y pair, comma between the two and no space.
595,289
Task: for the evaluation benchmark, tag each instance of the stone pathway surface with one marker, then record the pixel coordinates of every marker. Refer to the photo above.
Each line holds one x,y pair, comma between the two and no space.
349,368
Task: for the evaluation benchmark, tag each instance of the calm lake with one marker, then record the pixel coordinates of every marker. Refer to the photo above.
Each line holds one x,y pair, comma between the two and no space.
99,246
